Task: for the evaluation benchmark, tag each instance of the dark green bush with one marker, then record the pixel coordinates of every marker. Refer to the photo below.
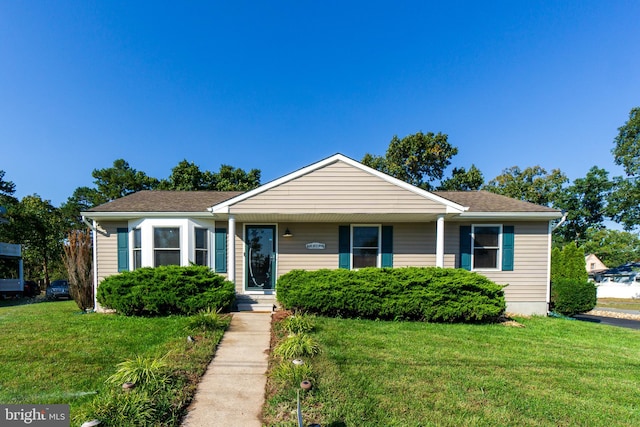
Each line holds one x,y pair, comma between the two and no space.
571,297
430,294
166,290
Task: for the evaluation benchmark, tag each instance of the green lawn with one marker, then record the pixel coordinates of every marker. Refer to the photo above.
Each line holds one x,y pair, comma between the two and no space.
551,372
50,353
624,304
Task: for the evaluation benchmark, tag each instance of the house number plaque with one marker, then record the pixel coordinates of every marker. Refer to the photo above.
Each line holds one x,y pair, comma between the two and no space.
315,246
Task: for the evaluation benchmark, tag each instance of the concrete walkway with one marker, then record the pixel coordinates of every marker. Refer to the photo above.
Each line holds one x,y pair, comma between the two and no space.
231,392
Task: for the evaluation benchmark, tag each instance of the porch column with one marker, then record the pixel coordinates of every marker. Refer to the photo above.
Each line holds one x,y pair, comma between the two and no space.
231,250
440,241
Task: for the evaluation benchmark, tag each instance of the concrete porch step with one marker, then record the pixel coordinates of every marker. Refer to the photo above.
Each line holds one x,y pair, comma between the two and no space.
258,303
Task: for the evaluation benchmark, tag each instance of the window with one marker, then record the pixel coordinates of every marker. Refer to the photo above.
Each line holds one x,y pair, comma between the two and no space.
366,246
137,248
486,246
166,246
202,246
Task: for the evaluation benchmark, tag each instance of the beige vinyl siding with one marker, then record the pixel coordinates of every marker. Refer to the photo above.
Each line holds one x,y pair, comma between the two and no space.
338,188
528,280
294,253
107,248
414,245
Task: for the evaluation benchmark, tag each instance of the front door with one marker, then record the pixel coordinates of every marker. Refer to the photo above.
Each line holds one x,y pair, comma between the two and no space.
261,257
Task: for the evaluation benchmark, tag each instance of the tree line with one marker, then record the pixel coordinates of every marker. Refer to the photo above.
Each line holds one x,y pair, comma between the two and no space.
421,159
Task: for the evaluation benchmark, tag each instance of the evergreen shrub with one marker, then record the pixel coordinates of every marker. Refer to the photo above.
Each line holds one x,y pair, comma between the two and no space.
430,294
166,290
569,296
571,291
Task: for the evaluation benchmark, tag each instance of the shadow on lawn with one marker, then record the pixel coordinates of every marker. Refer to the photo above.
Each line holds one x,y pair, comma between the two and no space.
11,302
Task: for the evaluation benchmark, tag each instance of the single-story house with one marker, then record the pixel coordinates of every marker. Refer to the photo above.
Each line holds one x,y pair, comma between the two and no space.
336,213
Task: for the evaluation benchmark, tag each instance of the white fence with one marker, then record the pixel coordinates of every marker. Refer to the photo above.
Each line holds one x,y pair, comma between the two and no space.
618,290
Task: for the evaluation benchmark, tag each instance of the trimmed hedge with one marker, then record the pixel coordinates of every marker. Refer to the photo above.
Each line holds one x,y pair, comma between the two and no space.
569,296
166,290
430,294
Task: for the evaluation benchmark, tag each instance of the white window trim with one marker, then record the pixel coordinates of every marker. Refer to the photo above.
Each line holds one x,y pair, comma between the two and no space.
209,244
132,245
379,255
473,251
187,228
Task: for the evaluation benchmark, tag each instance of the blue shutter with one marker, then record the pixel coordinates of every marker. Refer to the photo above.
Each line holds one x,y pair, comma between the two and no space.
221,250
507,248
465,247
344,247
387,246
123,249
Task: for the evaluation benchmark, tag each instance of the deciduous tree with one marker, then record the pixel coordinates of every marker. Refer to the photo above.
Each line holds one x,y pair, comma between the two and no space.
78,262
417,159
624,203
463,180
613,247
585,203
532,184
38,226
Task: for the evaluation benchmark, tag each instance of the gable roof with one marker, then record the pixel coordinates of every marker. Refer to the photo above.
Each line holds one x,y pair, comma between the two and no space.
449,205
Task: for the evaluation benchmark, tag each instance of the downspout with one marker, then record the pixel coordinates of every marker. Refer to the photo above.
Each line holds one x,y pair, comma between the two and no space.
551,230
93,226
562,220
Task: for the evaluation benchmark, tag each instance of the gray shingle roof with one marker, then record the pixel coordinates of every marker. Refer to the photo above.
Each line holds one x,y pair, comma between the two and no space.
484,201
166,201
200,201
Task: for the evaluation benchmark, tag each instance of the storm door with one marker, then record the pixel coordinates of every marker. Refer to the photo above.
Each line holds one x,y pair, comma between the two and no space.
260,257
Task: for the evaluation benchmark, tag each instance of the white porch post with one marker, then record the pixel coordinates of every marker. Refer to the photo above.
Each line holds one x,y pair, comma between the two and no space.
94,232
440,241
231,251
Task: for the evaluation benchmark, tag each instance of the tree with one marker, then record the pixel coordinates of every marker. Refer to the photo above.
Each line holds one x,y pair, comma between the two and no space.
110,184
185,176
229,178
78,256
571,291
585,203
39,227
533,184
463,180
613,247
624,202
121,180
417,159
627,150
7,190
625,198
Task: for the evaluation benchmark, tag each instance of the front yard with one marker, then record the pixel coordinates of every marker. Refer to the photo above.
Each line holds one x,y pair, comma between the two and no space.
50,353
548,372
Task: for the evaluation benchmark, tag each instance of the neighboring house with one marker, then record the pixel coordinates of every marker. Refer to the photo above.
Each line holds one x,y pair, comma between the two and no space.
593,264
336,213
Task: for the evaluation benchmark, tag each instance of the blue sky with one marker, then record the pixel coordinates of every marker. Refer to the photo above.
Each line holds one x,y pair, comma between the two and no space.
277,85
